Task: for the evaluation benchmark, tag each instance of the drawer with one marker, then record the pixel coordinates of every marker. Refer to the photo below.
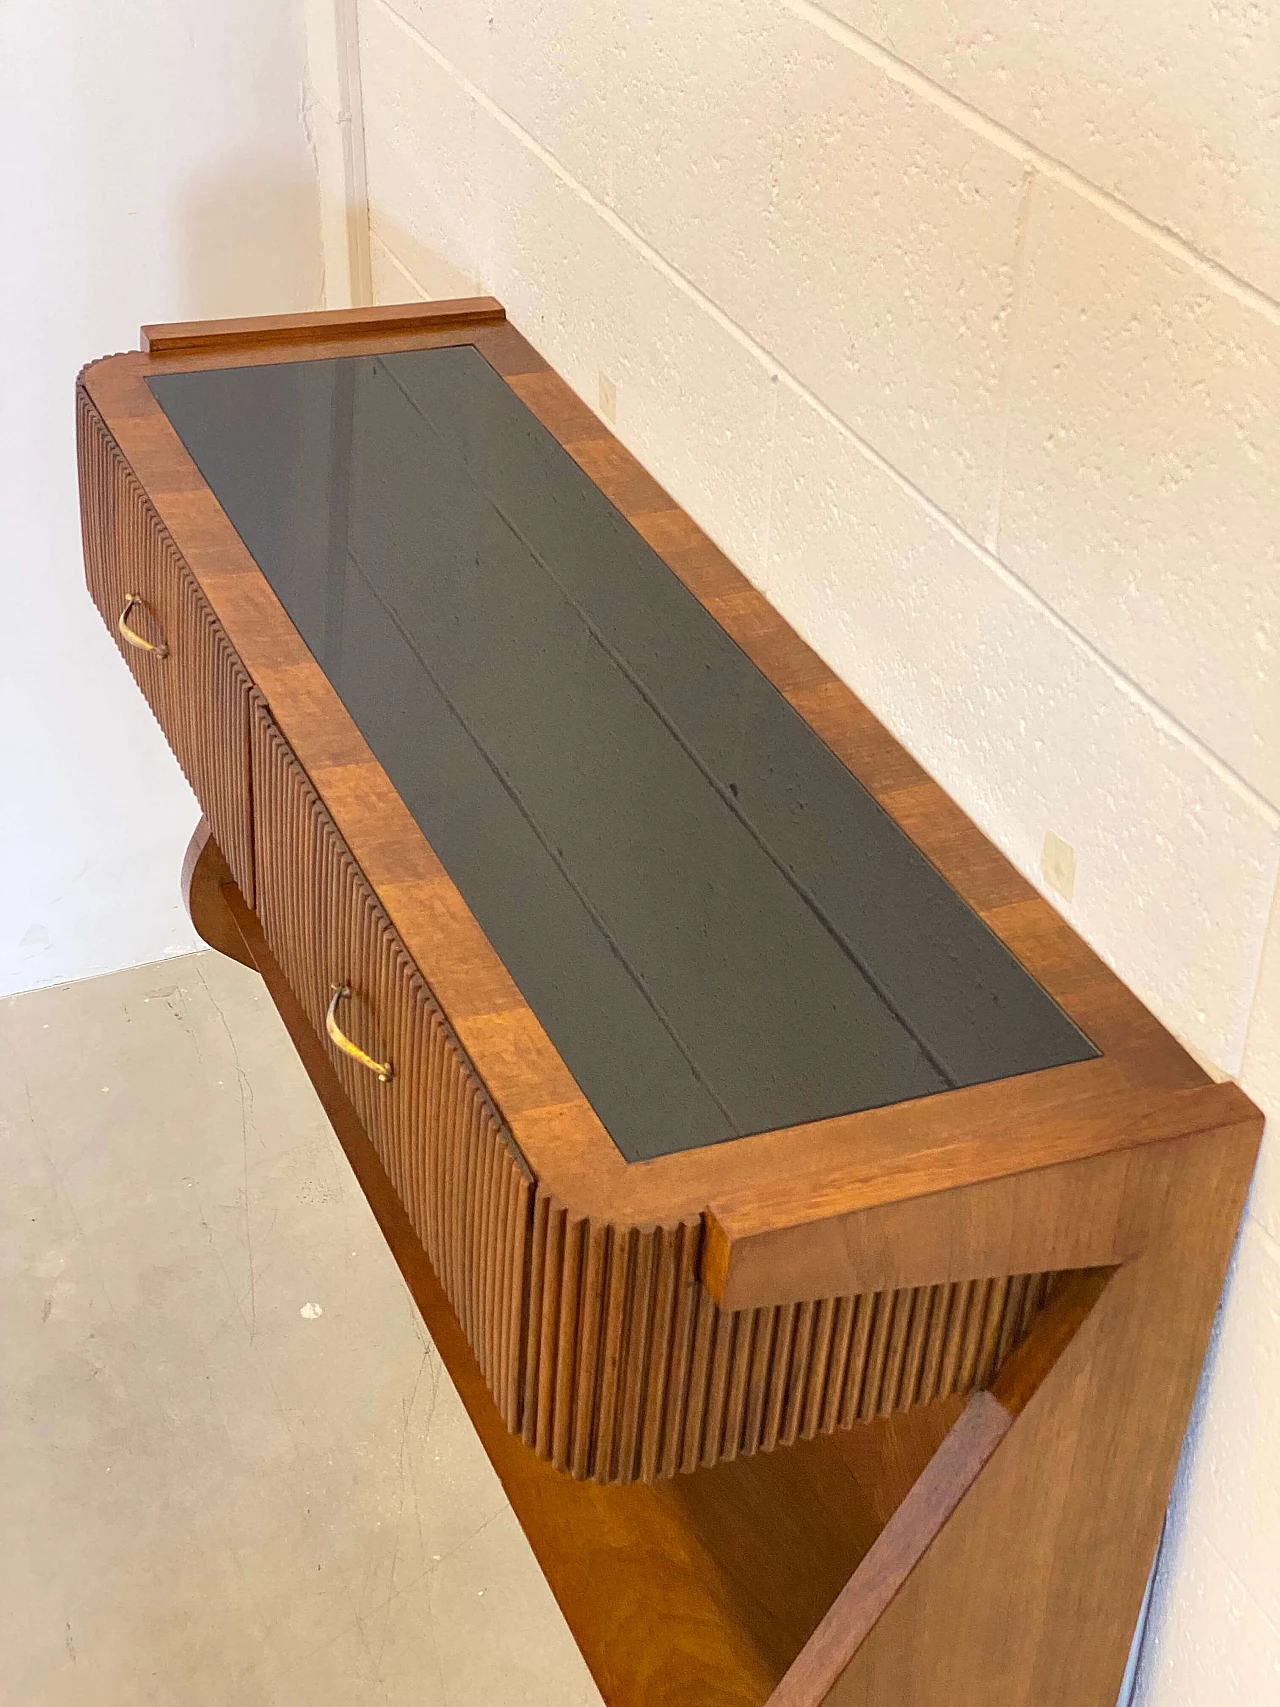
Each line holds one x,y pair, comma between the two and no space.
185,665
445,1150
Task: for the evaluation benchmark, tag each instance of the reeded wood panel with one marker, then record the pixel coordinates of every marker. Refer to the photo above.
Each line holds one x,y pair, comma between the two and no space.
449,1157
199,692
115,551
598,1341
634,1373
630,1370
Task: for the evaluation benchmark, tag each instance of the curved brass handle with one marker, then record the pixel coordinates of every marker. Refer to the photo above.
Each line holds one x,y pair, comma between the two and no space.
385,1071
131,635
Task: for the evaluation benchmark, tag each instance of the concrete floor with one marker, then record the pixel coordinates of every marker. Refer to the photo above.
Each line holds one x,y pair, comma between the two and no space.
232,1468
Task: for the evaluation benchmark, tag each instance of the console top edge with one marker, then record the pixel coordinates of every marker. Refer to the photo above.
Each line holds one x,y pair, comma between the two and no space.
1134,1050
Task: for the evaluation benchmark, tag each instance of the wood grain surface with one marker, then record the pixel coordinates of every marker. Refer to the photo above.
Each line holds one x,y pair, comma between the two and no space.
331,323
773,1187
455,1170
205,872
987,1557
801,1239
633,1372
895,1553
693,1592
934,1497
629,1322
198,690
1030,1592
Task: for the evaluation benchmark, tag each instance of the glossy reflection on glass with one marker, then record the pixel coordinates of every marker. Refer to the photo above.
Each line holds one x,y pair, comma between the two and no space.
719,929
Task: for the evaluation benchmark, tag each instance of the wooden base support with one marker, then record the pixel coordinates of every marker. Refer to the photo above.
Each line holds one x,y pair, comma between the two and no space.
205,872
988,1554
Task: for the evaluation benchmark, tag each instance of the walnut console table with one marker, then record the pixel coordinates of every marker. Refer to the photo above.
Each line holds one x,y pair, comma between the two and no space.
823,1241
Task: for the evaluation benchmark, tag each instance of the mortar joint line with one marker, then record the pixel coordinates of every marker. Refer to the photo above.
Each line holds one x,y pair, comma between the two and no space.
772,366
1008,140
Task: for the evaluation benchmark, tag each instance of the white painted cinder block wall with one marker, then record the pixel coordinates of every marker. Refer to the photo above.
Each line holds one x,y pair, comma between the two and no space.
958,329
156,167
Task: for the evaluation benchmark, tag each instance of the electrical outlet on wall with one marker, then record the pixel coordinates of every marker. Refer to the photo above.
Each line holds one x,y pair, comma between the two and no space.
608,399
1058,865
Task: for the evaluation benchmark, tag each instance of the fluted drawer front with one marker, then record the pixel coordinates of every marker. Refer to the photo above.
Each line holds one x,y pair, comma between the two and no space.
196,685
443,1146
598,1340
633,1373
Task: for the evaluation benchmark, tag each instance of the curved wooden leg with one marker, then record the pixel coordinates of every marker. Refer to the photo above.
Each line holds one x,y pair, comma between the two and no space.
204,874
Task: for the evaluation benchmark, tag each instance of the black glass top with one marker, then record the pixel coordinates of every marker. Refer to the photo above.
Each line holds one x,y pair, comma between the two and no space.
719,929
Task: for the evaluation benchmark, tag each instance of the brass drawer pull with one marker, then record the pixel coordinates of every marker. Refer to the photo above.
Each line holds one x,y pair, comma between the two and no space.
385,1071
129,634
